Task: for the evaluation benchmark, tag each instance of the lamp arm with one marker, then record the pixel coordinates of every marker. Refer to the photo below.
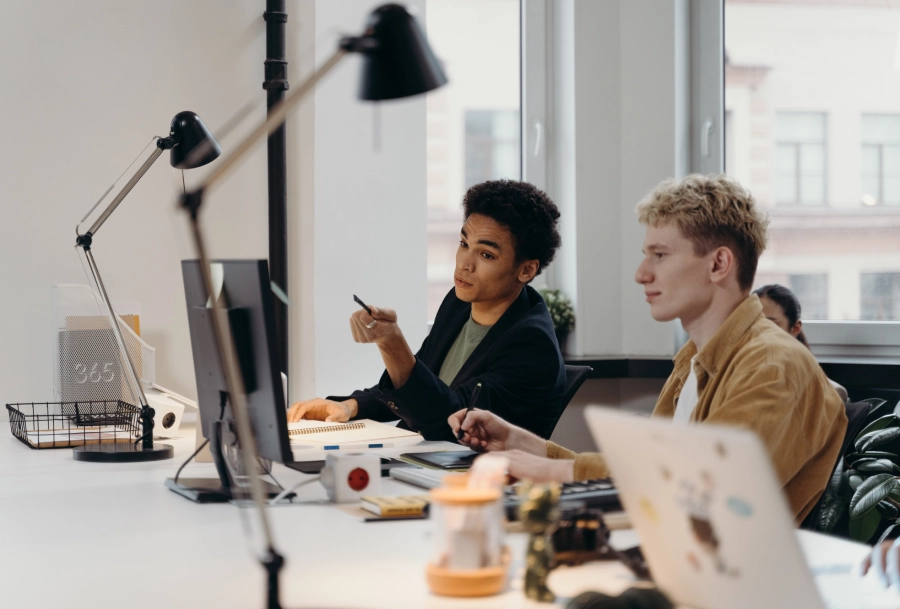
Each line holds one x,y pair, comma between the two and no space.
161,145
272,122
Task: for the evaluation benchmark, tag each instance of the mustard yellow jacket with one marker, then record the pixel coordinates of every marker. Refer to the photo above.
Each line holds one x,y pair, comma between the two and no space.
752,374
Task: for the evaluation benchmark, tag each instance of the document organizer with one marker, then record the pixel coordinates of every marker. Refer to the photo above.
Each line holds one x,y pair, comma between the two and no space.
67,424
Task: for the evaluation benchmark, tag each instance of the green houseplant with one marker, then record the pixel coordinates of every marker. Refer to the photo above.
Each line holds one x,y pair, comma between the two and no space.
864,485
561,312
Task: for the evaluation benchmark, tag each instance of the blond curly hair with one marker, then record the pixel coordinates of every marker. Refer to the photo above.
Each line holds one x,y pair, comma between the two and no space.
712,211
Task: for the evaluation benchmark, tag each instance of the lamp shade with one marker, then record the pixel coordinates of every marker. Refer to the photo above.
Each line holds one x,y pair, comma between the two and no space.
399,62
194,144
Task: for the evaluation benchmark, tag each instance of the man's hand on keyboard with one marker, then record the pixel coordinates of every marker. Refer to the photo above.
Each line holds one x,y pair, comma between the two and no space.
486,432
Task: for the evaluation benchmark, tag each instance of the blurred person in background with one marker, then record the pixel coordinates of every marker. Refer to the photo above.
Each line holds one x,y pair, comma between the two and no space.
781,306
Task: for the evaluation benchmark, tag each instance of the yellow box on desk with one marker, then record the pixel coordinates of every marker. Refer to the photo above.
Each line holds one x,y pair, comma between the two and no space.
408,505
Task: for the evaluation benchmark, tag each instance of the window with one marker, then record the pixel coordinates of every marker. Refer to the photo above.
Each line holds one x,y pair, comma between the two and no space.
472,124
880,296
800,158
492,145
808,91
812,292
880,159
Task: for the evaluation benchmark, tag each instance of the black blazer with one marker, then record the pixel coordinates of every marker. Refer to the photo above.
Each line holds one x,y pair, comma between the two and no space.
518,363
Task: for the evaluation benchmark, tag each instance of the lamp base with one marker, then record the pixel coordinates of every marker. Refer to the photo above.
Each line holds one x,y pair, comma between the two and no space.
122,453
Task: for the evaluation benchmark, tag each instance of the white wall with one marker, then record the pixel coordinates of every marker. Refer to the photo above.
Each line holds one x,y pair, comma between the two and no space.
86,85
367,220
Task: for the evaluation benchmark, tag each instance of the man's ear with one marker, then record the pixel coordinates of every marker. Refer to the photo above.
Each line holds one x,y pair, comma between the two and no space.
723,264
528,270
797,328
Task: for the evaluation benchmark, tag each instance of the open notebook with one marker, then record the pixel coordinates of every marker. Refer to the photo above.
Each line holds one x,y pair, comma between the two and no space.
364,431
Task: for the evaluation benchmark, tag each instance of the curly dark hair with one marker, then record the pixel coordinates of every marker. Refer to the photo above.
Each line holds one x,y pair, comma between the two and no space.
525,210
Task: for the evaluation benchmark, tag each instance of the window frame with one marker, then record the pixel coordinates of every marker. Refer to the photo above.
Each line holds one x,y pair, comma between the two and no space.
835,340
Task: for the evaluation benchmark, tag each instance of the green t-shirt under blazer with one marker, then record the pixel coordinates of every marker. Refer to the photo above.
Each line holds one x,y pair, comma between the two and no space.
468,339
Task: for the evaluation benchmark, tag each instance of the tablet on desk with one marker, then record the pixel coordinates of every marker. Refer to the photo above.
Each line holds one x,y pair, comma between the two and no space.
449,460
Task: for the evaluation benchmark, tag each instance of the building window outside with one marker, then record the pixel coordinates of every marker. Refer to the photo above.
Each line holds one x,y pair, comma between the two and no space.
880,296
800,158
492,145
880,159
812,292
810,89
472,124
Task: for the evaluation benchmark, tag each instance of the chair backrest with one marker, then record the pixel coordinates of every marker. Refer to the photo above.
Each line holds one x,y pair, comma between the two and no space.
575,377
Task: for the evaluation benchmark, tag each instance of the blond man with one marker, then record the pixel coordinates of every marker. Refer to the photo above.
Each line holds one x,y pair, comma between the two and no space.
704,236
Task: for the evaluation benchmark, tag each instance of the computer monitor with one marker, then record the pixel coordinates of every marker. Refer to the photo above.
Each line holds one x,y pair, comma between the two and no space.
246,289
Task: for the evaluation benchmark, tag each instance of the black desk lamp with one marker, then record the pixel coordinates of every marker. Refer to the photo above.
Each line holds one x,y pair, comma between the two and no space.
191,145
397,62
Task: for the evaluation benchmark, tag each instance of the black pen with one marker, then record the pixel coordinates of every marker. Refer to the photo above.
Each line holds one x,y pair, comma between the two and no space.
363,305
472,401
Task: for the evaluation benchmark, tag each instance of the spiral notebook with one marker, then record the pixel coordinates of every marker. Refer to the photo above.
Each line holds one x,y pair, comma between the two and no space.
364,431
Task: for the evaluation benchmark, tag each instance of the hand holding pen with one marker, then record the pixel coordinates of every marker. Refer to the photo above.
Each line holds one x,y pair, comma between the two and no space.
473,400
371,324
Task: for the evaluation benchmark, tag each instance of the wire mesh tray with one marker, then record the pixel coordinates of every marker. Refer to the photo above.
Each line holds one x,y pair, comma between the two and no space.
66,424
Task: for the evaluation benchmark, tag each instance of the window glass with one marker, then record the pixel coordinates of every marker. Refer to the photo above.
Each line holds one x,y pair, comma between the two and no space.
880,296
812,292
472,124
881,159
811,100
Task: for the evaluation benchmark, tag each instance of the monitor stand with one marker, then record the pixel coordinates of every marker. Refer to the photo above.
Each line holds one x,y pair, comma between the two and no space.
215,490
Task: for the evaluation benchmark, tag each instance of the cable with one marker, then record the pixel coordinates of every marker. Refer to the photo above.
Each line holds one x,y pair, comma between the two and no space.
262,464
196,452
287,492
205,442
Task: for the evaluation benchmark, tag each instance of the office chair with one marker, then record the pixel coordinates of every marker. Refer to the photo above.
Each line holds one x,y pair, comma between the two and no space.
575,378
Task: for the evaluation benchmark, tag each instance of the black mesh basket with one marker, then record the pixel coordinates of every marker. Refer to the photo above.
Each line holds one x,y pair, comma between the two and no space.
68,424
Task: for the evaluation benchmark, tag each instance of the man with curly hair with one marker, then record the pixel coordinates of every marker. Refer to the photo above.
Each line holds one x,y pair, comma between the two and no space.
492,328
704,236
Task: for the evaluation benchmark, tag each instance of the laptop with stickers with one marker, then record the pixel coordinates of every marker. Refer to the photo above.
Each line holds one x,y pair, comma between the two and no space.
714,524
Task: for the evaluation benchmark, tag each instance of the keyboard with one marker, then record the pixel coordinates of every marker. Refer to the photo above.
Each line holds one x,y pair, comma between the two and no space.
590,493
600,494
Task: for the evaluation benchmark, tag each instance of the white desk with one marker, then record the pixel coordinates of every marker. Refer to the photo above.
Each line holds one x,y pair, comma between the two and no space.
79,535
76,534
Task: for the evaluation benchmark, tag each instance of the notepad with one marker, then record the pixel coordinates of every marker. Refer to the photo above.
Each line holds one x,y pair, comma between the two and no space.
364,431
407,505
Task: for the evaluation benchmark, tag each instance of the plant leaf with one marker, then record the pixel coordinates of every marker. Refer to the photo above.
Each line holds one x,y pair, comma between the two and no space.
887,532
887,420
831,513
870,492
879,465
872,454
862,529
854,479
887,510
834,485
895,495
877,438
